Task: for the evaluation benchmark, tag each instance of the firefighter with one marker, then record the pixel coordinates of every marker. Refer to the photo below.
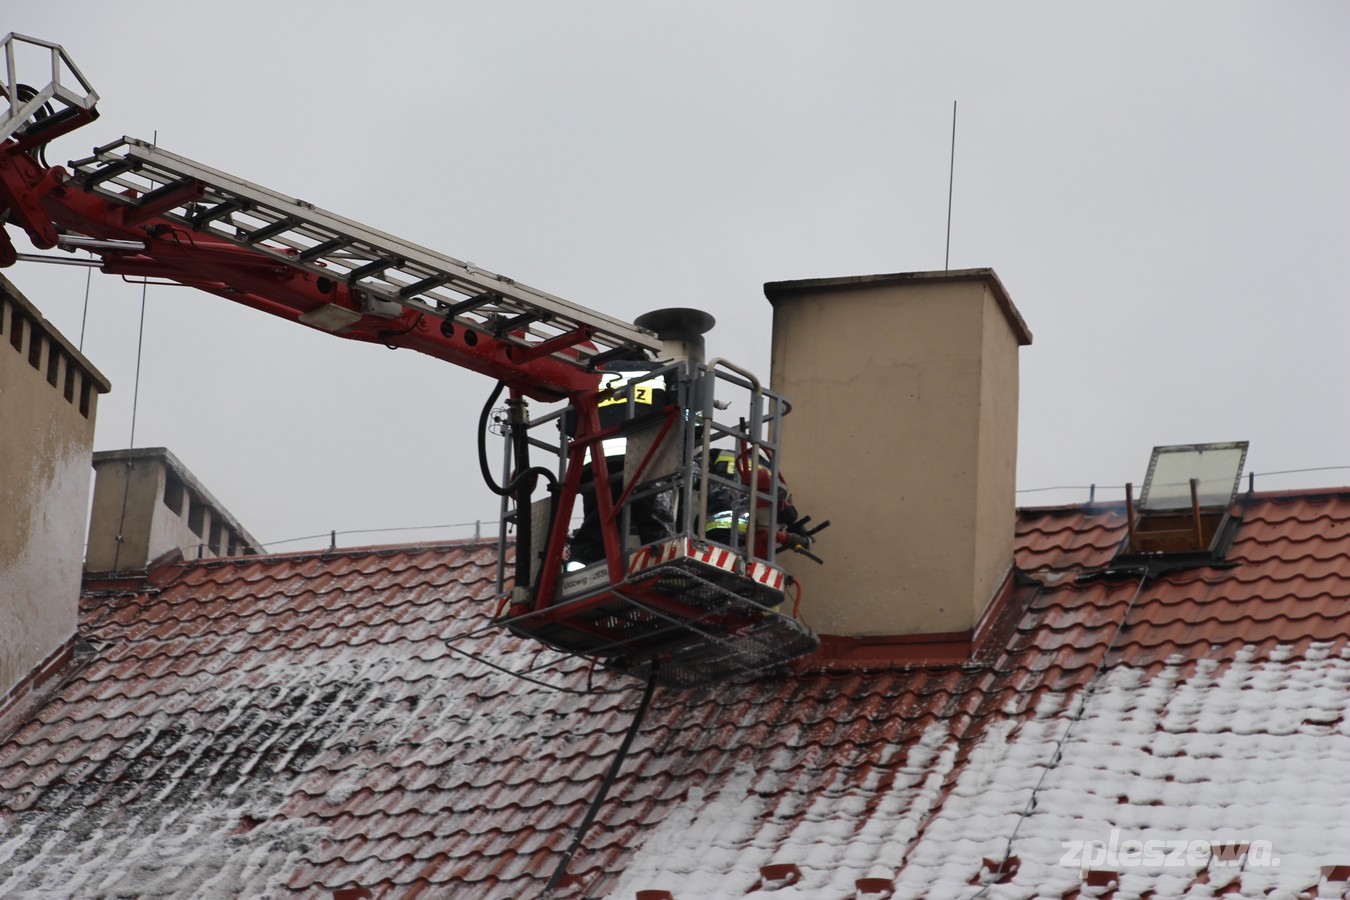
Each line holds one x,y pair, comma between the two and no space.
728,506
651,516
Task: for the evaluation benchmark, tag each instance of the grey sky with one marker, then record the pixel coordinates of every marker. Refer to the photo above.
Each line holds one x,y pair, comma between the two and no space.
1163,189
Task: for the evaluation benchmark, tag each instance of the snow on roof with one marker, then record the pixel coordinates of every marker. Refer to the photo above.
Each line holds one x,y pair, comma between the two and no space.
301,724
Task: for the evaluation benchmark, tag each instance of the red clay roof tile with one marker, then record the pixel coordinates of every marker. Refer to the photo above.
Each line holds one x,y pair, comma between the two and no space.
305,712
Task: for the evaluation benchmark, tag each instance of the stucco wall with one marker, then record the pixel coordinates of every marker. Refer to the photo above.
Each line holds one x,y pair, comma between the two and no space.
129,501
45,442
903,434
125,510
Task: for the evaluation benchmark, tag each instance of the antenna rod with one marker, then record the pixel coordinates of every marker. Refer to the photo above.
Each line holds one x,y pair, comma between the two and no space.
951,176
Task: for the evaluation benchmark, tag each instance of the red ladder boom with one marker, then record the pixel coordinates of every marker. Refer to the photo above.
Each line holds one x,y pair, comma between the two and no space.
153,214
688,609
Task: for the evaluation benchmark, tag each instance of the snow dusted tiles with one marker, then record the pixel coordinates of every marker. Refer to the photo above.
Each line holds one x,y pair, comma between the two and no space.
1221,755
208,756
299,724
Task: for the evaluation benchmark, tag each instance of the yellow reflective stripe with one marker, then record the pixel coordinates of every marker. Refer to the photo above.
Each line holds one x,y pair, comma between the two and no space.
644,392
725,520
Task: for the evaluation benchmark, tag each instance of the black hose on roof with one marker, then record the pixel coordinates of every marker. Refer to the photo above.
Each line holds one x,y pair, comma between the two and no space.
605,785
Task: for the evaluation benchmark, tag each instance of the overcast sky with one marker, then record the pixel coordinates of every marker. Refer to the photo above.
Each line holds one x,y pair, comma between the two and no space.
1163,188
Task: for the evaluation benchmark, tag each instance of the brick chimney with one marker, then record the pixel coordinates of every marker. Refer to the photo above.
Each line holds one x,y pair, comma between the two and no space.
48,400
903,433
147,504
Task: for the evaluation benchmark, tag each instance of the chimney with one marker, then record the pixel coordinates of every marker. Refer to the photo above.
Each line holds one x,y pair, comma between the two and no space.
147,504
904,434
48,400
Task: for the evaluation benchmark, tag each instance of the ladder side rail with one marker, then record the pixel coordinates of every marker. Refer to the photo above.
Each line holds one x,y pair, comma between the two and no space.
287,238
302,245
241,274
167,164
160,248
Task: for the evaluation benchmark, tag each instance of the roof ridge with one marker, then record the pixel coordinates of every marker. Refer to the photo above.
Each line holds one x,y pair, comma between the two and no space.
326,554
1243,497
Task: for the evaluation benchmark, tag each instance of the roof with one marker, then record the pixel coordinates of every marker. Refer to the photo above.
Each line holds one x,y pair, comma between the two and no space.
312,722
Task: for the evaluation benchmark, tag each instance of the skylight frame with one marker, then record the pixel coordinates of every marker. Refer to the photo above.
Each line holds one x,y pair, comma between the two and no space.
1178,494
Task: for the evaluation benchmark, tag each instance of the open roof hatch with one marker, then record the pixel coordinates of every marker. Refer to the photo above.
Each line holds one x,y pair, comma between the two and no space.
1183,507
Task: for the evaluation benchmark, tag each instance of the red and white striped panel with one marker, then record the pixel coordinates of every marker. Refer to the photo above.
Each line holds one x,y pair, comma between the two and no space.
708,554
767,575
718,557
657,554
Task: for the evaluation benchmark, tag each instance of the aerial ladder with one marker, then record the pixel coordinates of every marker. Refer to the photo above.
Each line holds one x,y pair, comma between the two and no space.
682,608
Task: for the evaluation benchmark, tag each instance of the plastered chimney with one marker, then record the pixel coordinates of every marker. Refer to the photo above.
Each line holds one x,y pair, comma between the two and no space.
48,400
903,433
146,504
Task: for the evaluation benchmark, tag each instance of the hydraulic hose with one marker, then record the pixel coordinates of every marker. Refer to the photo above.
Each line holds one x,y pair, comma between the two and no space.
511,486
519,487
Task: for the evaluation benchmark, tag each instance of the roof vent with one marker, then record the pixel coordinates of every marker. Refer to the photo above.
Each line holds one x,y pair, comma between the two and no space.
680,329
1183,506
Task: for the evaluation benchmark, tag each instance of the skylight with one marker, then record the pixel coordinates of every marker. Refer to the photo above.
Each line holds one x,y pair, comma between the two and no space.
1183,509
1216,469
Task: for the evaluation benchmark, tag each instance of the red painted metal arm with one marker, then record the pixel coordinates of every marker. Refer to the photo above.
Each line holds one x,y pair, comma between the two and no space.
45,202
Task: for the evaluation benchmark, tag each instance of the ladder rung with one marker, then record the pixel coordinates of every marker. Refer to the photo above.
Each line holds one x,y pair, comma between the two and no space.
371,268
107,173
219,211
506,326
323,249
418,287
267,231
474,302
165,198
